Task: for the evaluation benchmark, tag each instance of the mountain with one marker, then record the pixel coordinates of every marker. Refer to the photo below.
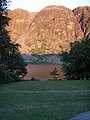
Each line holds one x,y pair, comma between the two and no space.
49,31
52,30
83,17
19,23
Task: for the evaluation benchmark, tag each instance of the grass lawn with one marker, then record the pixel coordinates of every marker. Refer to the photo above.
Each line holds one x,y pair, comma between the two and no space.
44,100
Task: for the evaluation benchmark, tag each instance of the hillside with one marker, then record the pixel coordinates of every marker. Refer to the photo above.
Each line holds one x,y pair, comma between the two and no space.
19,23
42,58
52,29
83,17
49,31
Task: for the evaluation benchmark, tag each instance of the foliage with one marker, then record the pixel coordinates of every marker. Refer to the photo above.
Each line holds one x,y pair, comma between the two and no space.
7,77
76,62
43,58
54,73
10,58
16,64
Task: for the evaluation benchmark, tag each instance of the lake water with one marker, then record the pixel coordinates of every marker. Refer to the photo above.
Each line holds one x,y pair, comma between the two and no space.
42,71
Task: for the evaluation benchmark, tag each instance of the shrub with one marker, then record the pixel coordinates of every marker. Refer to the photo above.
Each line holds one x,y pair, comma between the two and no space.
8,77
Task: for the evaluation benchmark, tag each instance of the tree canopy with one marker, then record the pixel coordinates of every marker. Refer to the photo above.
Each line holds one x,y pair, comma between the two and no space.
76,62
10,57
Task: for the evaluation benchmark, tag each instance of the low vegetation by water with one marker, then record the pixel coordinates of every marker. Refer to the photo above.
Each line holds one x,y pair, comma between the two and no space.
44,100
42,58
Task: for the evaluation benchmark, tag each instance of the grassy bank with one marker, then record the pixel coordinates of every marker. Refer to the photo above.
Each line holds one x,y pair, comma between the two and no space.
44,100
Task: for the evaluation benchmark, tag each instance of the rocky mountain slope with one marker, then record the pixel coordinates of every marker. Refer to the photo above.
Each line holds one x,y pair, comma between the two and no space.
83,17
52,30
49,31
19,23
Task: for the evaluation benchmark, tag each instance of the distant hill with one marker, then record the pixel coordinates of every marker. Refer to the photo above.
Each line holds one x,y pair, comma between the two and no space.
49,31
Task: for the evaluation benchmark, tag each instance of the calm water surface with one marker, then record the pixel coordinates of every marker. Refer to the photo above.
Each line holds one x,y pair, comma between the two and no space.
42,71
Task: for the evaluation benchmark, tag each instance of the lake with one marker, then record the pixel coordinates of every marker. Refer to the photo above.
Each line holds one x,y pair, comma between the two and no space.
42,71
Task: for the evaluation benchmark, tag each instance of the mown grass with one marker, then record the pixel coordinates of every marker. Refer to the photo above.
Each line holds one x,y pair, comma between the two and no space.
44,100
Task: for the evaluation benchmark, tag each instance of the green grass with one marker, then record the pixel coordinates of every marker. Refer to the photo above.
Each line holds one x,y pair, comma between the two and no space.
44,100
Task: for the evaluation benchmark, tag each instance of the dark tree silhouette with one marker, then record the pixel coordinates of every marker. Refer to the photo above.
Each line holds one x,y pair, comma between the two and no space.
10,57
76,62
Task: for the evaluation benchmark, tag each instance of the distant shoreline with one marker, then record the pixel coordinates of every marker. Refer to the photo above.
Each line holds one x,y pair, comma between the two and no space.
46,63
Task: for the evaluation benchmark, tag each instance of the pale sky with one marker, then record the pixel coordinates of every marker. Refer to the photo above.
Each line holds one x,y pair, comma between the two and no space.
37,5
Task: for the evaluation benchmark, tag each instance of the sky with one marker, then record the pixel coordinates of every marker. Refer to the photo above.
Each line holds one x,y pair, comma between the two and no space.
37,5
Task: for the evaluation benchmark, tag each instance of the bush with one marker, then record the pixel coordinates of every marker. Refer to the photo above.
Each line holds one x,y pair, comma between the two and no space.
8,77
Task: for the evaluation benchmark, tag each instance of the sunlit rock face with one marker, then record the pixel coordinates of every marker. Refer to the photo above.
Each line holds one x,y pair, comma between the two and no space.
19,27
19,23
83,17
52,30
49,31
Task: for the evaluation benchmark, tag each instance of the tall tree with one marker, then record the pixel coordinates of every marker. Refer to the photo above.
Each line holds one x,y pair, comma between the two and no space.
10,57
76,62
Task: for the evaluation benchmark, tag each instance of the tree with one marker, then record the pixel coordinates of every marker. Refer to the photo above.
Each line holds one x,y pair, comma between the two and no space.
10,57
54,73
76,62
